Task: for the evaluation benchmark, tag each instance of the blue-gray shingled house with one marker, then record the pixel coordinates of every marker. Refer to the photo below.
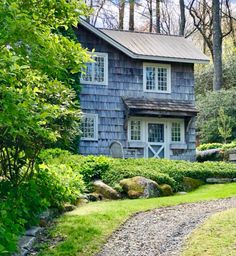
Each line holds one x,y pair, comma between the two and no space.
139,91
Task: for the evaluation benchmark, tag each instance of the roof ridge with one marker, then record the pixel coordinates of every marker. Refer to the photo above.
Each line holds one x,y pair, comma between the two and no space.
139,32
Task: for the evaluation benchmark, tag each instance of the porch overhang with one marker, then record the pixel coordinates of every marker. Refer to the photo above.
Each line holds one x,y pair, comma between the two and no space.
159,108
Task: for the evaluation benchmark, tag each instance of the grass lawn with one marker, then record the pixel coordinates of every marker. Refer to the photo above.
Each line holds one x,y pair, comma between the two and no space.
87,228
215,237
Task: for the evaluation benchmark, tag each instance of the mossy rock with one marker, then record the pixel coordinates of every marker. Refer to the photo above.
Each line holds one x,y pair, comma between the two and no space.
166,190
140,187
190,184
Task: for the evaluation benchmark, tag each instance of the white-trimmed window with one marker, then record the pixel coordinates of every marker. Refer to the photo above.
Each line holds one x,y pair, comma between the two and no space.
157,77
135,130
177,132
96,72
89,127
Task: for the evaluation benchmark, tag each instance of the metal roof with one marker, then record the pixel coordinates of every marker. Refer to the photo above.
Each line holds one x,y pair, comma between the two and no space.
150,46
153,107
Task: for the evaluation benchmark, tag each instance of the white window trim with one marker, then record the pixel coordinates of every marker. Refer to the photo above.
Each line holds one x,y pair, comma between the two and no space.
99,54
155,65
166,121
95,116
182,133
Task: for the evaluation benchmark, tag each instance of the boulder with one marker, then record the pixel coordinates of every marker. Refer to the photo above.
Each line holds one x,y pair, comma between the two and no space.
190,184
94,197
166,190
69,207
140,187
218,180
106,191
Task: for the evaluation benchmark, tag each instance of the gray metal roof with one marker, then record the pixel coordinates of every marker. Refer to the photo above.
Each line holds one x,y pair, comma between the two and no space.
143,106
150,46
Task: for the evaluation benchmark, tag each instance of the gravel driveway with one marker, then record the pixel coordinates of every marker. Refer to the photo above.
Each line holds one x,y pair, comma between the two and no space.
161,231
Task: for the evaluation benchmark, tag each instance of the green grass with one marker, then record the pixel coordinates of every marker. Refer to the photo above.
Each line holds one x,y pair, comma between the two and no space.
87,228
215,237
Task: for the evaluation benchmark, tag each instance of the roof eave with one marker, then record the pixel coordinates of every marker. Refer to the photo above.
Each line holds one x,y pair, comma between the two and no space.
134,55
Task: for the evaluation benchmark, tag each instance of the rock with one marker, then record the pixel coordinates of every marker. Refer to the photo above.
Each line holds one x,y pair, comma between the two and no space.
105,190
166,190
26,242
69,207
140,187
82,201
94,197
181,193
190,184
218,180
46,216
34,231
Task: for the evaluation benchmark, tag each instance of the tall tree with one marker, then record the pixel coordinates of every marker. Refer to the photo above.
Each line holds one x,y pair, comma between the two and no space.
121,14
182,18
217,45
150,10
131,14
158,16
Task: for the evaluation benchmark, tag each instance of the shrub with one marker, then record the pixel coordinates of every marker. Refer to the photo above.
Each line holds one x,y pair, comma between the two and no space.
208,106
207,146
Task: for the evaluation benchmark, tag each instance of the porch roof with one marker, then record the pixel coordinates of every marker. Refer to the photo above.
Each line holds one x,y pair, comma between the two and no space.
157,107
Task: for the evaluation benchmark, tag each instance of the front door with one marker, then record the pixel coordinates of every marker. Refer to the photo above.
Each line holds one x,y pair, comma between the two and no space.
155,140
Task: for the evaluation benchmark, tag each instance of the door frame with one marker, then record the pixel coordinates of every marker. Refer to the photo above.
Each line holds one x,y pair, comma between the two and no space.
165,142
167,131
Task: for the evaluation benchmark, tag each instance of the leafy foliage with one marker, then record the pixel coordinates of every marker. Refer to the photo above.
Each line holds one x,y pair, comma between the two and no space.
208,106
207,146
224,125
38,66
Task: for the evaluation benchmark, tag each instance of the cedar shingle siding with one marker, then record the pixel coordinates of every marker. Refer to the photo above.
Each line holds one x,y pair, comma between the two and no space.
125,79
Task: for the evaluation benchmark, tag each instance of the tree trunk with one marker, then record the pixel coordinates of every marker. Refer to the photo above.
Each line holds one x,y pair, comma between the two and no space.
217,45
131,15
182,18
158,17
121,14
150,17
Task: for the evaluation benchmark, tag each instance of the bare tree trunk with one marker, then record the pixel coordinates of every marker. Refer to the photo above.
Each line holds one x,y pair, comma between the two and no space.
158,17
121,14
131,15
204,7
150,15
217,45
182,18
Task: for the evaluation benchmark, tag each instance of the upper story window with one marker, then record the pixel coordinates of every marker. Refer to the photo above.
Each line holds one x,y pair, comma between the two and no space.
157,77
96,72
89,127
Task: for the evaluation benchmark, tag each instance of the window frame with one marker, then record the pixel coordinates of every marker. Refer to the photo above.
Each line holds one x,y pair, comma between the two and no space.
95,116
156,66
105,82
182,132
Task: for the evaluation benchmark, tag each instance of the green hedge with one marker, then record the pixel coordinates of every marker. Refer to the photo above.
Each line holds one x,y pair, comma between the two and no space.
222,146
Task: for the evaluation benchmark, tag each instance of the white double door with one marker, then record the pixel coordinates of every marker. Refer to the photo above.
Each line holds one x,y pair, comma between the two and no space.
156,140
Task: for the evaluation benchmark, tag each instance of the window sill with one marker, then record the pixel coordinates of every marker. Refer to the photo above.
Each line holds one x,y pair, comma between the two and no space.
87,139
155,91
178,146
137,144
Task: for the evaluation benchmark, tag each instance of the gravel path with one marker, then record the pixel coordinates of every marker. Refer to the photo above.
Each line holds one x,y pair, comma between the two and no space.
161,231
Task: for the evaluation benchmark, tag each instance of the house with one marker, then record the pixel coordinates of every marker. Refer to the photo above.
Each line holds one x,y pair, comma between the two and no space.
139,91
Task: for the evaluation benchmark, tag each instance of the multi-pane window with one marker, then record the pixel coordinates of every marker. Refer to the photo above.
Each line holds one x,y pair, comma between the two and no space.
135,130
155,132
96,71
89,127
176,132
157,78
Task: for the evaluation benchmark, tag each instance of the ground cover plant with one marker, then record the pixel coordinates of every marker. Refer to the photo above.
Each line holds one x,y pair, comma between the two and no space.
215,237
86,229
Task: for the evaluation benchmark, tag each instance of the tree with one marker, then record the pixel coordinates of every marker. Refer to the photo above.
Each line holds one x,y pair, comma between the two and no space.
158,16
217,45
38,105
224,125
131,14
207,120
121,14
182,18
